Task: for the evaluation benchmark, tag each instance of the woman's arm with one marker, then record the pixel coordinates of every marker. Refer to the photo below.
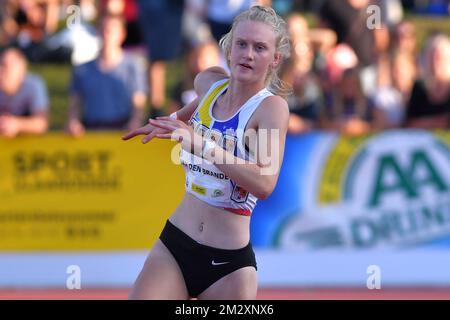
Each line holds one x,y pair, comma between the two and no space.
258,178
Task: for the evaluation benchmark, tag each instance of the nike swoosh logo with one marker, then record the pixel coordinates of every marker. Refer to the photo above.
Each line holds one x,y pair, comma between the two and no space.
218,263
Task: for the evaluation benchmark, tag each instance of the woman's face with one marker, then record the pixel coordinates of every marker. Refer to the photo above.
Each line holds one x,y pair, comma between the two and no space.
253,51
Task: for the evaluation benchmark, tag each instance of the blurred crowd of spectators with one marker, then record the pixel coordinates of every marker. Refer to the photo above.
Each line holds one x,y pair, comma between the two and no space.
355,71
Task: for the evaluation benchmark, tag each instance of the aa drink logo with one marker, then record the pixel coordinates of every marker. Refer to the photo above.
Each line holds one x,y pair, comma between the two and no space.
393,191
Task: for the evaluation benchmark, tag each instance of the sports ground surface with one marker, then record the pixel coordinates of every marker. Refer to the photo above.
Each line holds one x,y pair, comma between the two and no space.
263,294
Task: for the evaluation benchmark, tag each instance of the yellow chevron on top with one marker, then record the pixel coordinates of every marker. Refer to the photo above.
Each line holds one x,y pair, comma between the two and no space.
203,112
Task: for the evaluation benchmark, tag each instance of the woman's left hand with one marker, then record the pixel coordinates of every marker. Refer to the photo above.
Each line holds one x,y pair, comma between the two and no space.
178,131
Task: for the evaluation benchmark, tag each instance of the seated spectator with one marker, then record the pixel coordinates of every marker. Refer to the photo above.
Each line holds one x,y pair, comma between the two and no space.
429,105
109,92
30,18
23,97
31,24
306,101
396,79
339,59
348,18
199,58
351,112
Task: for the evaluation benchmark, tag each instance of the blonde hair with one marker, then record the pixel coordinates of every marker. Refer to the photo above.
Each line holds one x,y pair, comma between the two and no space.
282,43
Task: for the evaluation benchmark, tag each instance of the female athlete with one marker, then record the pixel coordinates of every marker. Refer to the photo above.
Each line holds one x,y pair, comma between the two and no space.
204,250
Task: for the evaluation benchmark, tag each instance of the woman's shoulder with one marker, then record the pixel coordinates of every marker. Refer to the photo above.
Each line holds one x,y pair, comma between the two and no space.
274,102
205,79
273,109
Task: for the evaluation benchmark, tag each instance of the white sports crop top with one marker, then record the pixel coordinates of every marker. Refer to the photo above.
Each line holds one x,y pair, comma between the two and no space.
203,179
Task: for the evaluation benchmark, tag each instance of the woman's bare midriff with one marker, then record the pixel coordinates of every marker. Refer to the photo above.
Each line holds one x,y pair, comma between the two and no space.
210,225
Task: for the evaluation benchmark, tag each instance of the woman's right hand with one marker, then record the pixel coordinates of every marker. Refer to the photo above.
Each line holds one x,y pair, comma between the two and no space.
149,130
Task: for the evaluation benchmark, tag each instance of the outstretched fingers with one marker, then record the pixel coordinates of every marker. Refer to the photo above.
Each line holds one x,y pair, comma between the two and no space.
164,135
133,133
148,137
163,124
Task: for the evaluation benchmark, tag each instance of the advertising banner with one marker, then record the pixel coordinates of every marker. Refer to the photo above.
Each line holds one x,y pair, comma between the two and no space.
89,194
390,190
343,206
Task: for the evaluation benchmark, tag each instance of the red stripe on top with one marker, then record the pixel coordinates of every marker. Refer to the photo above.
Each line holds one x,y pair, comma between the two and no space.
242,212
